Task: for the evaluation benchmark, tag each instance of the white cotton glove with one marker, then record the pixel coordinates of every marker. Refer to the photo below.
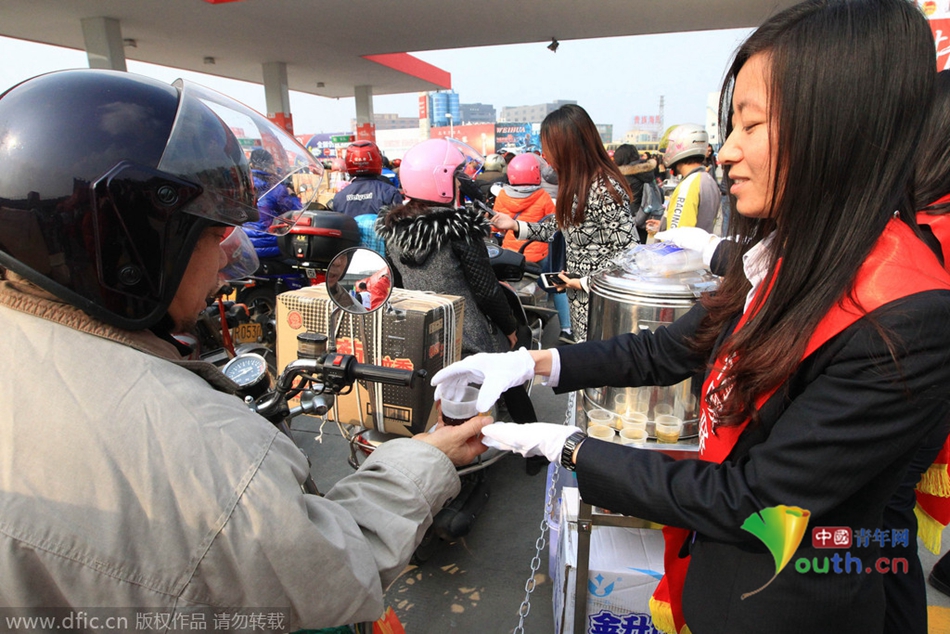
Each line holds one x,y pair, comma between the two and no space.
692,238
495,372
530,439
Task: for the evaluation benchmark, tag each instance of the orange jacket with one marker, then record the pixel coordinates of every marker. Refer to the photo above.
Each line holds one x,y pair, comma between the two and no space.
530,209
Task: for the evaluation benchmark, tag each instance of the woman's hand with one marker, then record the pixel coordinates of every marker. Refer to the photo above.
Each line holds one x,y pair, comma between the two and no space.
512,340
495,372
504,222
569,282
652,225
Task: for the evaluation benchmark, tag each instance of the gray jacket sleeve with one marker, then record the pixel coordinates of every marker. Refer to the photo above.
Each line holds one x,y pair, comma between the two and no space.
329,559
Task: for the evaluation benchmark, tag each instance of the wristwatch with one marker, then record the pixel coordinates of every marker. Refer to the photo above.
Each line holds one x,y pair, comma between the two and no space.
567,452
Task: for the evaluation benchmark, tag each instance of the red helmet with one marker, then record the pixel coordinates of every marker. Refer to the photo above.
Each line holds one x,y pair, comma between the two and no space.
525,169
363,158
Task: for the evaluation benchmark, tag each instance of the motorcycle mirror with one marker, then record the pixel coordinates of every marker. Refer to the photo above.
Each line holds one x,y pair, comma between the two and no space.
356,271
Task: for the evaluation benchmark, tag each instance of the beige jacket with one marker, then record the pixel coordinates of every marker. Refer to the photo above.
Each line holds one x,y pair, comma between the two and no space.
127,481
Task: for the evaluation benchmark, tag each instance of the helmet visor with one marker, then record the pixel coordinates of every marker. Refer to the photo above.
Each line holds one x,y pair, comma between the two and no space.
211,140
472,161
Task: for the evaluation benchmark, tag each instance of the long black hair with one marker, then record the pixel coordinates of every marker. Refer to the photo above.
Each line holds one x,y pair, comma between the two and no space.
846,109
574,149
932,178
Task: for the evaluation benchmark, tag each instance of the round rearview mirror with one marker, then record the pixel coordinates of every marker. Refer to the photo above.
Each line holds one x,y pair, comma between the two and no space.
359,280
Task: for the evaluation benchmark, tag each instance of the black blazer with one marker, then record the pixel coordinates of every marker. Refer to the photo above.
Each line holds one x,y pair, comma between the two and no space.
836,441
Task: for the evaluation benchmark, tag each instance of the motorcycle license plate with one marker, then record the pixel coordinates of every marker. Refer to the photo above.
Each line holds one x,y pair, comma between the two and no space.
247,333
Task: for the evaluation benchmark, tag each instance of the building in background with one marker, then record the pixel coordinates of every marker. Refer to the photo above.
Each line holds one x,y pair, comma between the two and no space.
391,122
530,114
444,108
712,119
606,131
476,113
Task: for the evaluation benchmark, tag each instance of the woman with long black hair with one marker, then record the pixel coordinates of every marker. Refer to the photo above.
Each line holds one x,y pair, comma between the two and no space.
825,360
592,208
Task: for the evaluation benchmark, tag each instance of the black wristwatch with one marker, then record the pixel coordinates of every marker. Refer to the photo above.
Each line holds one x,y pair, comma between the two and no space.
567,453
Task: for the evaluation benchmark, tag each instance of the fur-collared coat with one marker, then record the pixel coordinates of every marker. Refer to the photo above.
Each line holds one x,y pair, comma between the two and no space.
443,250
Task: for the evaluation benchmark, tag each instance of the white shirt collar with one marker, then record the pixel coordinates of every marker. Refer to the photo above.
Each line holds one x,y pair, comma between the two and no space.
755,265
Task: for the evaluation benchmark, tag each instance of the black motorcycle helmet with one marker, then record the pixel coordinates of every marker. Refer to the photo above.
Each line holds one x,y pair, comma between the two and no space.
107,179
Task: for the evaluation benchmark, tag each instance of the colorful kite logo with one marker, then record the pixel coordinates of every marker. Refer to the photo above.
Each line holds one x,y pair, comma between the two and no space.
781,529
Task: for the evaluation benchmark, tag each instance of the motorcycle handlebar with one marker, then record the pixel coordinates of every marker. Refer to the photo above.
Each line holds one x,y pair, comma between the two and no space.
390,376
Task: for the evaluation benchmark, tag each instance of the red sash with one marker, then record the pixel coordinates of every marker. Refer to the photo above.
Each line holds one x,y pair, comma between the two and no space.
899,265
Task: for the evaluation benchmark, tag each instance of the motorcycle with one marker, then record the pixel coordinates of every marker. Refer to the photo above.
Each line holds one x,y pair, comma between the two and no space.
316,236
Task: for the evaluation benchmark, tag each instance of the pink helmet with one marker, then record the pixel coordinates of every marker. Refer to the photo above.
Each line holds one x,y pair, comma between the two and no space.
525,169
428,169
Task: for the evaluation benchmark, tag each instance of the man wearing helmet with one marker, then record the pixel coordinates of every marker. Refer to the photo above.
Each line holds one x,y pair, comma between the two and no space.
493,171
367,193
160,489
695,201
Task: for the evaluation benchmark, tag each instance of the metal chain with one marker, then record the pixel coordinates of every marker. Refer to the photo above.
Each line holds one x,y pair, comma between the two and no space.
539,544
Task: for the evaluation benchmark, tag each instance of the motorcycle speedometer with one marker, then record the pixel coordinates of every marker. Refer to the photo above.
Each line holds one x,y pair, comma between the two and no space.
249,371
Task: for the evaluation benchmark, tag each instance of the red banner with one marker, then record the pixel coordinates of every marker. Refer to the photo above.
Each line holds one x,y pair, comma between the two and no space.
366,132
941,30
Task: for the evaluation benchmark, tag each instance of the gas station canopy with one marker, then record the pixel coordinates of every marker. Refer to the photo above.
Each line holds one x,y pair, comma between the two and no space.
332,47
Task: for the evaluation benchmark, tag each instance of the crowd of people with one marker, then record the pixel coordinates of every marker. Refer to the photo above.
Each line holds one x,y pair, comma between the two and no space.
825,367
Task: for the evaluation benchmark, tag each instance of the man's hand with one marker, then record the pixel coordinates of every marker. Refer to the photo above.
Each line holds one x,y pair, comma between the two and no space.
461,443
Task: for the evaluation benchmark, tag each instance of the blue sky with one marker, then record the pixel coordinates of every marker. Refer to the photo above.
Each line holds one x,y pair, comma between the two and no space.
615,79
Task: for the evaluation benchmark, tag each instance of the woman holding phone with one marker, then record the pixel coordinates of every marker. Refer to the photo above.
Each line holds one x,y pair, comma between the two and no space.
592,209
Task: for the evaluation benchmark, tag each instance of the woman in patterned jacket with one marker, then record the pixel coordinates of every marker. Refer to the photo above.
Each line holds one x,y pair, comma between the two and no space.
592,208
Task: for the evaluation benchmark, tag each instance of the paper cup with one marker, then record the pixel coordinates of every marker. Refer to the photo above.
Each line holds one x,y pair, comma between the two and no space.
456,412
601,417
662,409
634,420
635,437
602,432
668,428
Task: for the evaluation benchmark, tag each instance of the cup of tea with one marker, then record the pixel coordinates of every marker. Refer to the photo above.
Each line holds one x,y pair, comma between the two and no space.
633,420
601,432
601,417
668,428
456,412
633,436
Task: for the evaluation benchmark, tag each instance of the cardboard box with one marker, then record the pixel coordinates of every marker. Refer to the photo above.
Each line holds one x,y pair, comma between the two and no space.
626,565
420,330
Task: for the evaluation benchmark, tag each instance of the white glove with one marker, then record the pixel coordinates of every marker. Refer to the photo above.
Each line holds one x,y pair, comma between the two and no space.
692,238
530,439
495,372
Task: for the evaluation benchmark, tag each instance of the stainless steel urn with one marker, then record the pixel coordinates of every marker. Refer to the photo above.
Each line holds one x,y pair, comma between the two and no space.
623,301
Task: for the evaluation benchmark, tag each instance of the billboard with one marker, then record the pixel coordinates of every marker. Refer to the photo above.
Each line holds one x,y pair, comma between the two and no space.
480,136
517,137
325,145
